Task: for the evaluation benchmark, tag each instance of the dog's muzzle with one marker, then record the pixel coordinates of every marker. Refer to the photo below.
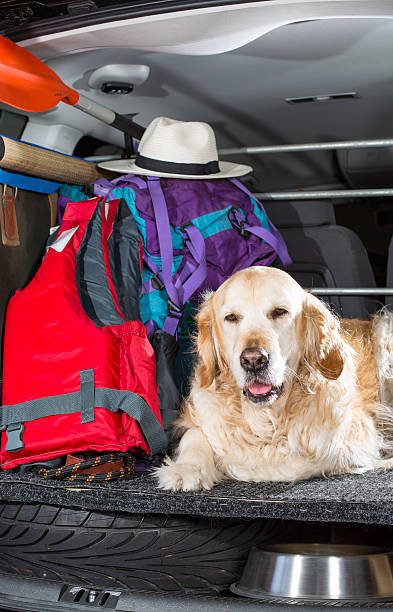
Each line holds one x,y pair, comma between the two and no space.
254,362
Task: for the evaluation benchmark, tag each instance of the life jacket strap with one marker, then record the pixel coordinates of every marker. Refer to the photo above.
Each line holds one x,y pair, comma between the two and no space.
12,417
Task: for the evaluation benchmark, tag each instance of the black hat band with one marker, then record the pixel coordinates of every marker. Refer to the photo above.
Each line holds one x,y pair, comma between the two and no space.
158,165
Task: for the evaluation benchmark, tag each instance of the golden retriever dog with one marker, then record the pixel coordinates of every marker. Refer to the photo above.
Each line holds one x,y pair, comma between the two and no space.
282,390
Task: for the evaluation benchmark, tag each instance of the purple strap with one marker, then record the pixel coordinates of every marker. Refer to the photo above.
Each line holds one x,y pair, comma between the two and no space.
172,322
274,238
150,326
147,286
164,236
239,223
130,178
191,276
195,275
196,246
103,187
155,269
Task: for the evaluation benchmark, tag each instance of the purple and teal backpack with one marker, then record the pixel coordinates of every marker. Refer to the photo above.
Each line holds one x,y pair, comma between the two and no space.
195,234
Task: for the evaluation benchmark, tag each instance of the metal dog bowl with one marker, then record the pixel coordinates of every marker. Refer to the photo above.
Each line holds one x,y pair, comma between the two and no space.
317,572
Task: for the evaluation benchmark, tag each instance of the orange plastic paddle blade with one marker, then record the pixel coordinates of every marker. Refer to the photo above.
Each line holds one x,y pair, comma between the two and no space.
29,84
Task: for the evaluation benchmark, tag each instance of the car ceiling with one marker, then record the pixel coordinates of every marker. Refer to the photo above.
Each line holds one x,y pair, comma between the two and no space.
242,92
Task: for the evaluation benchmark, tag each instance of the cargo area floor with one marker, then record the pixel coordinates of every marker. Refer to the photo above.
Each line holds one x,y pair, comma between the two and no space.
363,498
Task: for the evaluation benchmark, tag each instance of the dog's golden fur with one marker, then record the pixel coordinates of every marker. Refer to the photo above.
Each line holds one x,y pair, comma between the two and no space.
319,405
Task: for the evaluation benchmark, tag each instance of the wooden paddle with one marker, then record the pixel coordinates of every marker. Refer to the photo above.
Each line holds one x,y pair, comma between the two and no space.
26,158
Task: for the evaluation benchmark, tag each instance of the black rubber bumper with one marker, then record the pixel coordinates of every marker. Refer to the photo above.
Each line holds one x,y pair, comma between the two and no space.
34,595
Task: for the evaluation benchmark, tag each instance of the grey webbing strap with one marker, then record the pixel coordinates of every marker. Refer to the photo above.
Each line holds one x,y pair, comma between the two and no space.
138,409
87,396
111,399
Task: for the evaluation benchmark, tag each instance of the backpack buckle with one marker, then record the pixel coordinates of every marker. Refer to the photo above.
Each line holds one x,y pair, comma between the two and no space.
238,223
174,310
243,233
157,283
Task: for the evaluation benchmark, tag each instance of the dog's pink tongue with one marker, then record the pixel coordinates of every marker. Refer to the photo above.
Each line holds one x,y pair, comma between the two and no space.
259,389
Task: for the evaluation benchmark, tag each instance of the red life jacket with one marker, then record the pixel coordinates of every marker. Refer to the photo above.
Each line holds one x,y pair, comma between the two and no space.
79,371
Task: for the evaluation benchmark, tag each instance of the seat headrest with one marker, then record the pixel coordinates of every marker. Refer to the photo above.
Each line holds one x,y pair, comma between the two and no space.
308,213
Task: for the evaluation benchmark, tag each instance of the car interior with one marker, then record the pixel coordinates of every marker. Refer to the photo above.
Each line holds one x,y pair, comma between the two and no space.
301,91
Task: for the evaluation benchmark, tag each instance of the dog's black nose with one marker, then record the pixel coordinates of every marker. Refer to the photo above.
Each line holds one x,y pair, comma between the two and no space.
254,359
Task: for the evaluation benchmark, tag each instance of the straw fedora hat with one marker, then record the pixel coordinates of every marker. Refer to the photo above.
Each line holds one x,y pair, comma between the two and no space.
177,149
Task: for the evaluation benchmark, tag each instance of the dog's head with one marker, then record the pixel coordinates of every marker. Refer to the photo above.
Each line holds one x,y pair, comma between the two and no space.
259,327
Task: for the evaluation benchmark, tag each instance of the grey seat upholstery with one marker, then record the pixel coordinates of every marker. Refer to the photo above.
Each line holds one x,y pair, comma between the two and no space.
325,254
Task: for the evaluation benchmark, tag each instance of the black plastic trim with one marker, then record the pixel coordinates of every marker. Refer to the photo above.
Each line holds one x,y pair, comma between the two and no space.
38,595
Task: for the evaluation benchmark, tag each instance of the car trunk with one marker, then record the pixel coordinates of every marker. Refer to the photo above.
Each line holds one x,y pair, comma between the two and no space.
128,545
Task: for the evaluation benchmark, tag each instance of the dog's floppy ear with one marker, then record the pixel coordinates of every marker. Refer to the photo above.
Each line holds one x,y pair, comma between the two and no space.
207,367
323,347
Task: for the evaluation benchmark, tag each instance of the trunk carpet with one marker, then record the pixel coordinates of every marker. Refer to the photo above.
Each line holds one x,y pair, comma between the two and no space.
365,498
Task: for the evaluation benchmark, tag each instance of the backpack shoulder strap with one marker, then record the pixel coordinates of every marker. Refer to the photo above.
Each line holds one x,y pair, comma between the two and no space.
180,291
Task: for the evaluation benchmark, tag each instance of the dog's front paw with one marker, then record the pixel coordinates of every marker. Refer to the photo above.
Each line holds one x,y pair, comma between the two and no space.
182,477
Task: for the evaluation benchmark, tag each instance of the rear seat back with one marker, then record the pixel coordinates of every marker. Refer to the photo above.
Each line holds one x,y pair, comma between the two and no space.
325,254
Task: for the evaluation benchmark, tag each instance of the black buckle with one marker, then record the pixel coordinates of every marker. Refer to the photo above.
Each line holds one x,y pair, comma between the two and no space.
157,283
238,225
243,233
174,310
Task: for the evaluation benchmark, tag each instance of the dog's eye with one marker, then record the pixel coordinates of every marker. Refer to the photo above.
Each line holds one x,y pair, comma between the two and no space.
232,318
278,312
